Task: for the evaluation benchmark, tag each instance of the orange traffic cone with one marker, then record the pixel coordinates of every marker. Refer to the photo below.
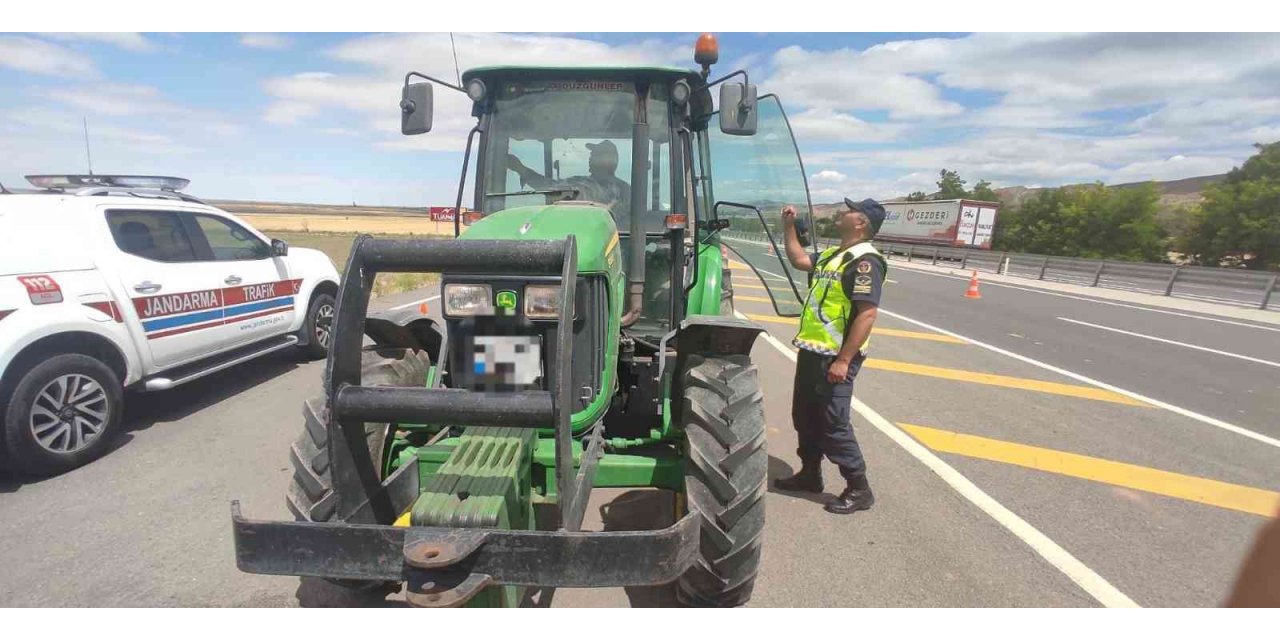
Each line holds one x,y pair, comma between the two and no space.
769,251
972,292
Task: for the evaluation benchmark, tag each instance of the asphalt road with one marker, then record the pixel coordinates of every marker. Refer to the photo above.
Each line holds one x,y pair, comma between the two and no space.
999,482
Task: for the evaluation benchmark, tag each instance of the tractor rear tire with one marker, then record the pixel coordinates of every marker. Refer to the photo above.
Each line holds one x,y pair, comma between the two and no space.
726,465
311,497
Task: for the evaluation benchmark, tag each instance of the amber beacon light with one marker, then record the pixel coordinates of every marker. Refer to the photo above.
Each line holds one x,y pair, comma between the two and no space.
707,51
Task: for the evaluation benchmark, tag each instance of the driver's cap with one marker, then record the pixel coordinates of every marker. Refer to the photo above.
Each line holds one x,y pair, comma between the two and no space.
604,149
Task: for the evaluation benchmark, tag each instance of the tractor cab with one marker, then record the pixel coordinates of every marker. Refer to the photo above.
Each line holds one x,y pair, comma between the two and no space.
641,143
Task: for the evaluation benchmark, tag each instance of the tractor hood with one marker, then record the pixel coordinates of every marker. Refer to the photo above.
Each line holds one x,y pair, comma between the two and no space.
589,222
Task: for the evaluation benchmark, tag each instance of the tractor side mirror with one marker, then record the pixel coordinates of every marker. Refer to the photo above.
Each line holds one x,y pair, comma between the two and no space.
738,111
415,108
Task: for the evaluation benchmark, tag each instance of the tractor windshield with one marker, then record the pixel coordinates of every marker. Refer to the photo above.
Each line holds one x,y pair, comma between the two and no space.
571,140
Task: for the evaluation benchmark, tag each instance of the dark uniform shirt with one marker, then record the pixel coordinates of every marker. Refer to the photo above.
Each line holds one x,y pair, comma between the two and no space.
862,279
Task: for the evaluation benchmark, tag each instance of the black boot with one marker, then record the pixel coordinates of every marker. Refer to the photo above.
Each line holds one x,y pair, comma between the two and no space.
856,497
809,478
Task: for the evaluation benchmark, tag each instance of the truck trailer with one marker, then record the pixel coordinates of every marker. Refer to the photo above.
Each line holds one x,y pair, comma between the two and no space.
951,223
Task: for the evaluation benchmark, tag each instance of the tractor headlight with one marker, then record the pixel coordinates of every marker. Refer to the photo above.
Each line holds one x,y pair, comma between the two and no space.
476,90
468,299
542,301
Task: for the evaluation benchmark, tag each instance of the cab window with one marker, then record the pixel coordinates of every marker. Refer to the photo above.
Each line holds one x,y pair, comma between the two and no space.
230,241
154,235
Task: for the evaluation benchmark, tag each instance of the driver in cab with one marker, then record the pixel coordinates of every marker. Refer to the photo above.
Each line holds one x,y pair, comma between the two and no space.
601,185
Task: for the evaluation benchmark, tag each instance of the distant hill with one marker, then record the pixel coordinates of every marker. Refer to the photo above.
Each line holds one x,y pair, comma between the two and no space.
1173,193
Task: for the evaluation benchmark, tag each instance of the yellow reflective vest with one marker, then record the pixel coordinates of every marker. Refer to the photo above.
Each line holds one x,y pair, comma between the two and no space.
827,309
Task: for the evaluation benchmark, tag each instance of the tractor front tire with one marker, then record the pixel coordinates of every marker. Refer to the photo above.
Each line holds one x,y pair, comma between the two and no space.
726,465
311,497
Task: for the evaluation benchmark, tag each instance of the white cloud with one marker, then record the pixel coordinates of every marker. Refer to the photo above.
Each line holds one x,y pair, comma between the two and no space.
374,93
827,175
113,99
37,56
843,80
125,40
266,41
828,185
823,124
1172,168
64,129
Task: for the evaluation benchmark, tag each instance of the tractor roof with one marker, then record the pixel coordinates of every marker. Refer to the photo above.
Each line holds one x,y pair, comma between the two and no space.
525,73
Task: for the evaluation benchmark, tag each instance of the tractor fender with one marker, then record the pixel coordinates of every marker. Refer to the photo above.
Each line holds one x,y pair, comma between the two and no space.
406,328
720,335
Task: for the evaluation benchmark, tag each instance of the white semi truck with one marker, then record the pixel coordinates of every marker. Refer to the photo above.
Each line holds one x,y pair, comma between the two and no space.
951,223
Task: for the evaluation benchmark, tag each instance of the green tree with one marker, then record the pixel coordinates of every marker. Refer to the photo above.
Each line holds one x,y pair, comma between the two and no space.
983,191
1239,220
917,196
1089,221
950,186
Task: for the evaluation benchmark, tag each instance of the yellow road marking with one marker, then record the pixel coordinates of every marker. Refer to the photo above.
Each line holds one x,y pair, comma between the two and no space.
896,333
734,264
1166,483
749,286
893,333
1058,388
751,298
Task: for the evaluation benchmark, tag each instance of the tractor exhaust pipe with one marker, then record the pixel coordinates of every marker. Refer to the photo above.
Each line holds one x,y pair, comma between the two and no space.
639,206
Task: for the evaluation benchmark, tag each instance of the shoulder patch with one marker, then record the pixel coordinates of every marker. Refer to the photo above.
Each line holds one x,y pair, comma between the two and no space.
862,280
864,266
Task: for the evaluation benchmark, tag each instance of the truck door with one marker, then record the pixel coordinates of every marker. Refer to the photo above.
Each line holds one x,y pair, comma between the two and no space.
754,177
256,288
173,303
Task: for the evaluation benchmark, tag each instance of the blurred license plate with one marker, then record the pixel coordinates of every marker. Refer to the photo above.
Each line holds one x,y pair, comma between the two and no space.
507,361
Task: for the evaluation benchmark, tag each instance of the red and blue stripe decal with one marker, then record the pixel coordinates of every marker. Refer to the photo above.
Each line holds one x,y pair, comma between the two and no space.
176,313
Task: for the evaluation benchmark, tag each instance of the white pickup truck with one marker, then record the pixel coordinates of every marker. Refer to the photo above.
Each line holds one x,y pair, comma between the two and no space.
110,283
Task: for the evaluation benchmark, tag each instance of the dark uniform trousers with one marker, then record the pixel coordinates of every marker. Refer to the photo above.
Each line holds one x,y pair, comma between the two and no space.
820,413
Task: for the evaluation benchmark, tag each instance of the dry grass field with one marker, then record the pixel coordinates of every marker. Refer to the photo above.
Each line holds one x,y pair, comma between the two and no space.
323,223
338,246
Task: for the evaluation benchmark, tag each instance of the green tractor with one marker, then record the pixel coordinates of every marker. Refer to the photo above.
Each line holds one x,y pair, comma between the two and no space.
587,340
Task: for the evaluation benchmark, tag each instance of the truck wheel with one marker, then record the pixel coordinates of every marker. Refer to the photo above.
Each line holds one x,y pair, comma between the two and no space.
62,414
726,292
310,496
318,328
725,468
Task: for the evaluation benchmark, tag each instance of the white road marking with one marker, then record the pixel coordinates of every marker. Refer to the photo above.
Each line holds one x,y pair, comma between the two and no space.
1173,342
1061,559
1097,301
415,303
1214,422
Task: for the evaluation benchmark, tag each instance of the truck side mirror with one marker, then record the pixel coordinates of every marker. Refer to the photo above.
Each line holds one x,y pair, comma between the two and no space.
415,108
279,248
738,109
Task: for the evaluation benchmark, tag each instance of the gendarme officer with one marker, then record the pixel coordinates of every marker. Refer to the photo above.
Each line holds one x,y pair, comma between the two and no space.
835,328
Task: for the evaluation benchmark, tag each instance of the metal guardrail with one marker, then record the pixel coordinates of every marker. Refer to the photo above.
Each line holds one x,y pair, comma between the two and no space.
1210,284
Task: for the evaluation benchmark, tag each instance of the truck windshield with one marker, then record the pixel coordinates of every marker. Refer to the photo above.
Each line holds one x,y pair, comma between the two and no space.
571,140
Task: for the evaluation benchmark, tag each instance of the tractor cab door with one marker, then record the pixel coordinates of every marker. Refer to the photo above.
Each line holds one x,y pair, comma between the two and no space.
753,177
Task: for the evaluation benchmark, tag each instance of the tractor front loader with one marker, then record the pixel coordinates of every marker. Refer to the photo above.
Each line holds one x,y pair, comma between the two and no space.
581,345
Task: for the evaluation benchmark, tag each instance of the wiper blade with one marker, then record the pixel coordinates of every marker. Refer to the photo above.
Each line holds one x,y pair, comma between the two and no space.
536,192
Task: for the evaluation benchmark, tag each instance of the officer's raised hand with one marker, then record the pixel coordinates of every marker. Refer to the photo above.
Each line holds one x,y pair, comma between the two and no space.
795,252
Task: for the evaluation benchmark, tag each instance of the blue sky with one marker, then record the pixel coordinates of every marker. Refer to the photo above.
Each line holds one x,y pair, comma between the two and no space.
313,117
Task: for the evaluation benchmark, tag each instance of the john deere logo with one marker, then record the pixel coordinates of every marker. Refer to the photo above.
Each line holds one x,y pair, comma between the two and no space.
506,301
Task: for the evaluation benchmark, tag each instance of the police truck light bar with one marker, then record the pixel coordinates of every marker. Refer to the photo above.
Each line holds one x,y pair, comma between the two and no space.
167,183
